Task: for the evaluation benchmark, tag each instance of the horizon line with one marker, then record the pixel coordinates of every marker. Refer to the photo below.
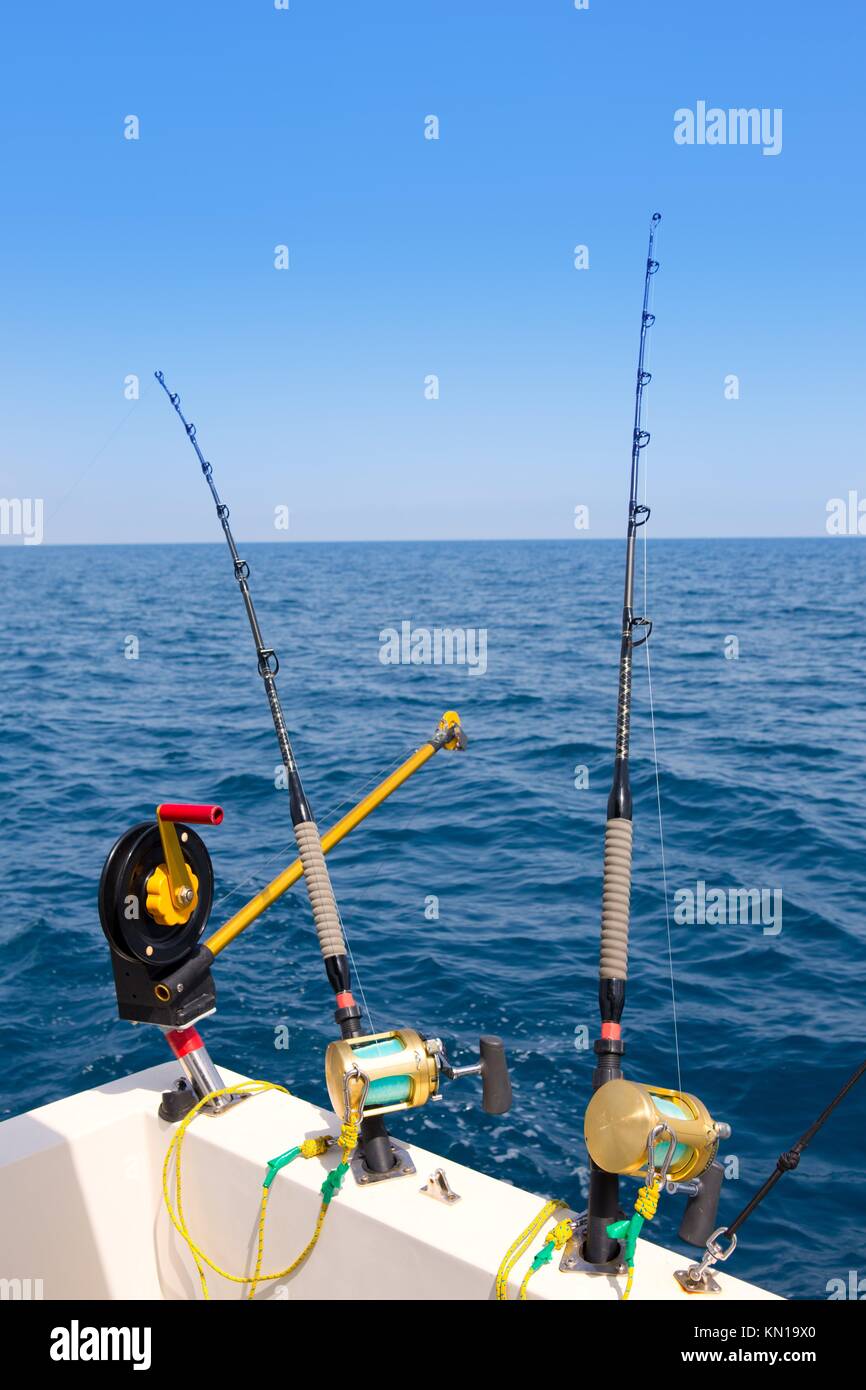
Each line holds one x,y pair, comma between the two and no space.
21,544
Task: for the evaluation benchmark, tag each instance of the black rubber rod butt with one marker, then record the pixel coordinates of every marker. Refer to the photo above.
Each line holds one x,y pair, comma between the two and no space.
701,1216
495,1081
602,1208
376,1150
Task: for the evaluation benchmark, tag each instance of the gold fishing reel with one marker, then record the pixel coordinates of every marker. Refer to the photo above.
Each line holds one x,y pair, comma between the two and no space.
401,1070
627,1125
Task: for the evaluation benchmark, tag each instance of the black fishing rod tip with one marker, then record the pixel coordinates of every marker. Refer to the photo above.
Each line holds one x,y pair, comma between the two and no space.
657,217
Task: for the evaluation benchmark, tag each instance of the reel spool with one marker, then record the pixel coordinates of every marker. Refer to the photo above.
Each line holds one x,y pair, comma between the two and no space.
155,896
402,1070
620,1120
399,1070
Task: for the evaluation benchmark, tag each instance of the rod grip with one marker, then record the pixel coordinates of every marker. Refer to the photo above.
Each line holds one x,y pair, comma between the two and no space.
616,898
495,1081
326,916
193,813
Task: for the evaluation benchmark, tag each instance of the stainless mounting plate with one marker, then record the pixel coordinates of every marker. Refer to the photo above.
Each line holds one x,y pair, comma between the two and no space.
572,1261
706,1284
439,1188
230,1101
403,1168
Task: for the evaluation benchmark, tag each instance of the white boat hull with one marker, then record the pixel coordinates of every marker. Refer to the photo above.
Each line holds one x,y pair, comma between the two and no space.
82,1214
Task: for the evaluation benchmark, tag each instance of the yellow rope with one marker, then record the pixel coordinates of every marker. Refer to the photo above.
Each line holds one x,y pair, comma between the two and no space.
646,1205
520,1246
559,1236
647,1201
347,1141
258,1277
311,1148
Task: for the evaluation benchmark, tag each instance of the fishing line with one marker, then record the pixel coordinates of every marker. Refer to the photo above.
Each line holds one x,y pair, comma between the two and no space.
412,825
408,828
656,759
664,863
330,814
357,975
280,854
94,459
361,793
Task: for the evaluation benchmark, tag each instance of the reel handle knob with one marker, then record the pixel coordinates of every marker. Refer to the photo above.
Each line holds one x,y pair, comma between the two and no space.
700,1218
495,1081
194,814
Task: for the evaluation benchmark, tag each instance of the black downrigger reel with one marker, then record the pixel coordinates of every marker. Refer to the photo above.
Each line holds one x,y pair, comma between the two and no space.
155,897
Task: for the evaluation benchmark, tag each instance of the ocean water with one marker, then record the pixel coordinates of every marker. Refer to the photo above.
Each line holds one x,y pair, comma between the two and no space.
761,758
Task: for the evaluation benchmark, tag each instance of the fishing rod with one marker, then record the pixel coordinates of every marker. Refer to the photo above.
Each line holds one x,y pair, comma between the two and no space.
666,1139
400,1068
616,892
326,915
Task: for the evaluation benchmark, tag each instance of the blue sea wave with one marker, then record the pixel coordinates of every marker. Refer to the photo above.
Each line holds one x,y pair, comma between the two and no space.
761,775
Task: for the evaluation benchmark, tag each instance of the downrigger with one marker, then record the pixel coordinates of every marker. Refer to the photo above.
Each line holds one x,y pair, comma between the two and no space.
155,897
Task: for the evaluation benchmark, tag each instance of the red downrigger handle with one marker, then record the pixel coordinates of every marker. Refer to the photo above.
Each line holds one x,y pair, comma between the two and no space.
195,815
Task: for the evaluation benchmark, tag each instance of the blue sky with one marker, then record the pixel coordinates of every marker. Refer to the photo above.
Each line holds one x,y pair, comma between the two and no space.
411,257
